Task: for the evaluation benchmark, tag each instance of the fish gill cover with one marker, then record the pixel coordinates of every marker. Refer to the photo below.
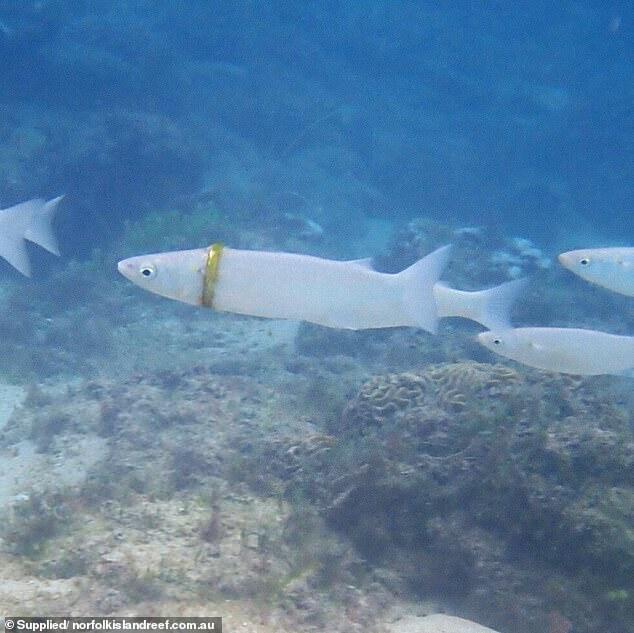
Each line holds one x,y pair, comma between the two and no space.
175,459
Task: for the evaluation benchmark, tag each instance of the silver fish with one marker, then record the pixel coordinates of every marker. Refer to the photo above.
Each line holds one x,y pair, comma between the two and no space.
611,268
565,350
338,294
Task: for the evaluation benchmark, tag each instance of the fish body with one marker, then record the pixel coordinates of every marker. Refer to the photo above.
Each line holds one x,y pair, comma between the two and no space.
564,350
437,623
30,221
611,268
338,294
335,294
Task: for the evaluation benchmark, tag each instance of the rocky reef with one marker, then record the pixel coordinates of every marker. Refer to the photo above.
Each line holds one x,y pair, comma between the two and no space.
500,494
471,479
136,499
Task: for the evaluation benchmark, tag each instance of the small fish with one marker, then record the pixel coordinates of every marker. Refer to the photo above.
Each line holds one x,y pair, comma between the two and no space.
612,268
564,350
337,294
30,221
438,623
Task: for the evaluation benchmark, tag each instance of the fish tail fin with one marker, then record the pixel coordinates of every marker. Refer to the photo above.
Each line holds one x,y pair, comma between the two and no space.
418,283
490,307
13,249
12,227
40,229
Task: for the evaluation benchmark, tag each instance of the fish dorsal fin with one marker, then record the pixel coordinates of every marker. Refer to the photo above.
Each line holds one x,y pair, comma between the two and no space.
418,288
364,262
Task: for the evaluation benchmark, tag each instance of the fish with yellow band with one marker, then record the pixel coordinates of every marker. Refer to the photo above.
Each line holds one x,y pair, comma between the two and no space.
211,274
338,294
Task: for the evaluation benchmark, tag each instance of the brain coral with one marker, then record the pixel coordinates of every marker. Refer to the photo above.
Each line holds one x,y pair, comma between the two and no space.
459,464
439,391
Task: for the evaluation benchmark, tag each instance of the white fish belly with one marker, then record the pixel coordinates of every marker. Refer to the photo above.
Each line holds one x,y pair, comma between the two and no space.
304,288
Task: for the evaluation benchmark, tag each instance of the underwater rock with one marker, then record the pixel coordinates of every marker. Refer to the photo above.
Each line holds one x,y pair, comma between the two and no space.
445,473
31,522
11,396
479,257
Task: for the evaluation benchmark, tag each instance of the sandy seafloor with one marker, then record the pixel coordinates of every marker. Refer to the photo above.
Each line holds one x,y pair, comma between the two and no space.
143,537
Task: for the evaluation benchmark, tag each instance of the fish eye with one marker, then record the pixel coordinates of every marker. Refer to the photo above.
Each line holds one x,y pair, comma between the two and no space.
584,261
148,271
497,341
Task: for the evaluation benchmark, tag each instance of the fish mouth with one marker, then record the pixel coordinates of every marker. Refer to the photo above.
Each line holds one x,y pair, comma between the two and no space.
564,259
124,268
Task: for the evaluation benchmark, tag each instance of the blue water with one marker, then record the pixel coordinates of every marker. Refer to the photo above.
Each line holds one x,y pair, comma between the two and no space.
515,115
381,128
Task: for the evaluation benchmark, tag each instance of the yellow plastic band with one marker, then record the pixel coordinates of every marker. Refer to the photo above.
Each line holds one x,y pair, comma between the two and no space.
211,274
